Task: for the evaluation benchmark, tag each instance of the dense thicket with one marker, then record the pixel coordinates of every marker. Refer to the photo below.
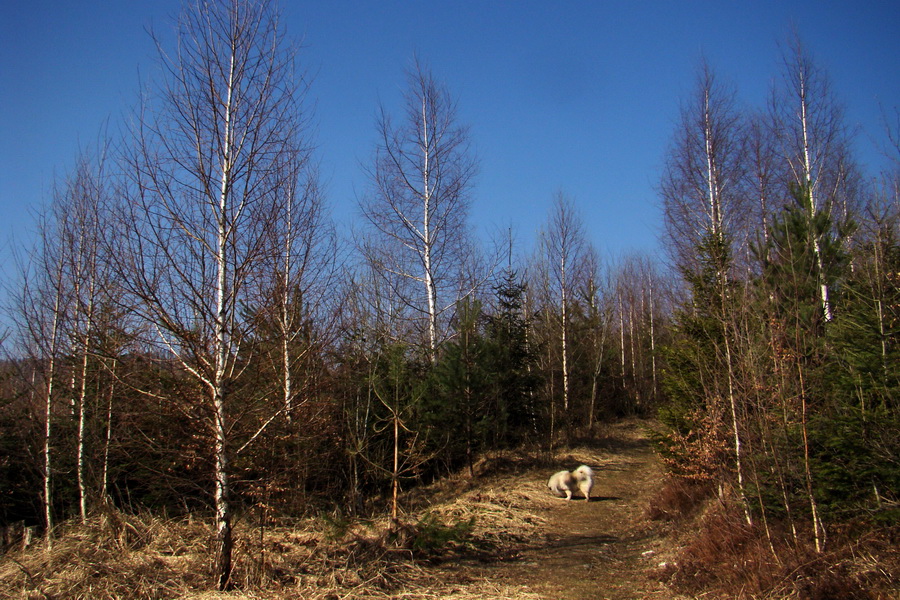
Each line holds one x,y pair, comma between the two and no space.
780,377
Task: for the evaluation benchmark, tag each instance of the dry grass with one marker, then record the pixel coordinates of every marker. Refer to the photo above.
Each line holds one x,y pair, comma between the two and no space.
463,538
113,556
724,557
118,556
678,499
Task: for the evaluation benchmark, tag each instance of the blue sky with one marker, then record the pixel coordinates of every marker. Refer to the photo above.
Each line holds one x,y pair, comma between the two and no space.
578,96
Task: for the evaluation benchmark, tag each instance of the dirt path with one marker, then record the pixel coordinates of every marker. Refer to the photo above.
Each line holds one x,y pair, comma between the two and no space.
603,549
523,544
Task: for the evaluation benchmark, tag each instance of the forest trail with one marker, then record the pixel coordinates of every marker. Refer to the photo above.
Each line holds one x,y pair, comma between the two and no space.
603,549
521,543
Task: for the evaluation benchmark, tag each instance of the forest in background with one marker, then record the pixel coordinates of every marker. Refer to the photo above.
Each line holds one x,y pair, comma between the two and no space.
191,334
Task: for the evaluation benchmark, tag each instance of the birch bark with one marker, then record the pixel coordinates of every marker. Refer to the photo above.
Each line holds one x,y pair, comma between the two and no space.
418,206
207,172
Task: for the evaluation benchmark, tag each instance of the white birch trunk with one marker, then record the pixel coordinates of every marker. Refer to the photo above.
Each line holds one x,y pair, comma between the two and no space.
82,396
564,342
48,464
634,381
48,422
622,337
427,242
652,335
104,490
222,495
82,393
715,210
810,185
285,323
738,453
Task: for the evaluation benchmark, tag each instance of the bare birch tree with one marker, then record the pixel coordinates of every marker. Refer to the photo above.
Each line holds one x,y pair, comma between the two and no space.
81,219
205,168
701,183
418,206
40,316
808,124
762,177
298,300
817,169
702,192
596,299
563,249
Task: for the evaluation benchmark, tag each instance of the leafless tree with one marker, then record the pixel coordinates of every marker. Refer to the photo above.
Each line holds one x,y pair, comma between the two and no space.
39,320
57,314
205,171
81,221
299,297
637,308
596,297
563,250
813,143
703,188
762,178
813,148
703,176
418,206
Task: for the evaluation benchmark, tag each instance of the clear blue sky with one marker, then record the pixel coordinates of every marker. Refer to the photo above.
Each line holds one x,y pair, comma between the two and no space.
579,96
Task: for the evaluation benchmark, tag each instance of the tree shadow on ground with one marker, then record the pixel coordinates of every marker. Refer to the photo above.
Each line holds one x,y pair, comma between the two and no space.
604,498
608,442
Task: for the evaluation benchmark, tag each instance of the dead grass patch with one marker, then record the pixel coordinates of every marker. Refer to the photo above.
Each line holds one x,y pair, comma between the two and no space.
727,558
117,556
452,533
109,558
678,499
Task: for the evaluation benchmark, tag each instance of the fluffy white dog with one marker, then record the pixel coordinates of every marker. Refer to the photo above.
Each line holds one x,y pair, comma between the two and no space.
564,482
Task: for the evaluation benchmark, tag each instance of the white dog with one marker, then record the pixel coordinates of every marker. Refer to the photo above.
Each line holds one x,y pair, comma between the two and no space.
564,482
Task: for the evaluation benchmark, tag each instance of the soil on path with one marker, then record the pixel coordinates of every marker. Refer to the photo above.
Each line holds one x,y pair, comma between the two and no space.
521,543
603,549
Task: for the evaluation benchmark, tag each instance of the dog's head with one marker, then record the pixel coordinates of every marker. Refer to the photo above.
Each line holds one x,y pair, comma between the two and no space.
583,472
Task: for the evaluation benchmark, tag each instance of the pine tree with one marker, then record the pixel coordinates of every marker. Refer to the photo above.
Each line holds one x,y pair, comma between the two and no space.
693,380
512,360
805,254
855,441
457,411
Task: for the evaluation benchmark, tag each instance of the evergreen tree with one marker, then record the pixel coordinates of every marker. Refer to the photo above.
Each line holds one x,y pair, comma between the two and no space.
457,410
805,253
692,381
856,445
512,361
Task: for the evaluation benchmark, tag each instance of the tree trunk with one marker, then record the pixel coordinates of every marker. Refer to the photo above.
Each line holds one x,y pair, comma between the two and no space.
652,336
222,491
48,470
818,526
738,454
564,300
82,393
395,474
104,490
223,505
48,420
82,397
622,340
427,241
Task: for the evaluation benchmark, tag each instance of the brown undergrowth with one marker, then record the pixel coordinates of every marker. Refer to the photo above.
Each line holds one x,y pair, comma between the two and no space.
143,556
725,557
117,555
497,535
